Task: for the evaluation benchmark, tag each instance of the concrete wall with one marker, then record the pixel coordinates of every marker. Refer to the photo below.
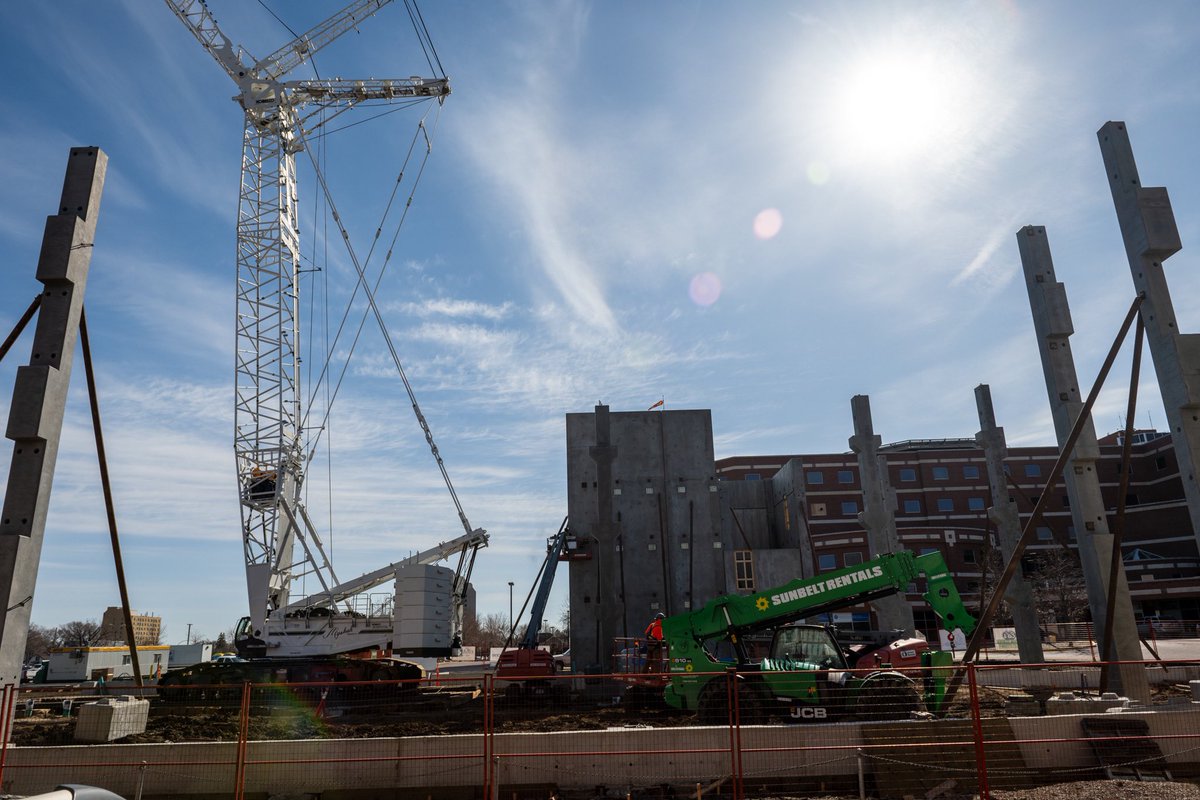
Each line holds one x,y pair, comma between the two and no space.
570,760
643,501
650,519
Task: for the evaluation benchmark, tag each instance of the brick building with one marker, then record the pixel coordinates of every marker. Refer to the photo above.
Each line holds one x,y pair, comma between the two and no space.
942,499
147,628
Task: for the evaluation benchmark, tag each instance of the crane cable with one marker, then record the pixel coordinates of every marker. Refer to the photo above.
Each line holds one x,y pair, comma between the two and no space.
374,308
354,295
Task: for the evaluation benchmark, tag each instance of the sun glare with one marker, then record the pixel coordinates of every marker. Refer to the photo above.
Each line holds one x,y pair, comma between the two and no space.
902,104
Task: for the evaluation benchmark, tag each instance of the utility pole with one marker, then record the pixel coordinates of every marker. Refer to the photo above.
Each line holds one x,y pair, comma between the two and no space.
510,616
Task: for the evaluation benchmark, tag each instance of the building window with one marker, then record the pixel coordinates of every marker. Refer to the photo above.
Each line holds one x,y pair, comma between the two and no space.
817,510
1033,471
1066,501
975,504
970,471
941,473
945,504
1071,532
124,661
1044,534
912,506
927,550
1160,463
752,476
815,478
845,476
852,558
849,507
826,562
968,556
908,474
743,569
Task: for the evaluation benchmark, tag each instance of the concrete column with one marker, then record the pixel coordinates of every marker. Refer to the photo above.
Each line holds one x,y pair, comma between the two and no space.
1052,323
878,516
610,616
1151,237
1003,514
40,396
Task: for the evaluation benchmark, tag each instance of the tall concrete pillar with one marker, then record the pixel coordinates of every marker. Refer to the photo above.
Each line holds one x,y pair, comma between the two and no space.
1003,514
610,624
40,396
1052,323
878,516
1151,237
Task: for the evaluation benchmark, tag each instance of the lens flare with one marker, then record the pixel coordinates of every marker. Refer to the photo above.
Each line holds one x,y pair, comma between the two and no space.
818,173
767,223
705,289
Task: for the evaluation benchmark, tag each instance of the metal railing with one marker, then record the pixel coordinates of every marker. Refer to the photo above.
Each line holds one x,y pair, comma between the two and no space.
799,734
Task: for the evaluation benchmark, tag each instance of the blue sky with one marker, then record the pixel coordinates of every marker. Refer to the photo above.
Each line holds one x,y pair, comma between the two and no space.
760,208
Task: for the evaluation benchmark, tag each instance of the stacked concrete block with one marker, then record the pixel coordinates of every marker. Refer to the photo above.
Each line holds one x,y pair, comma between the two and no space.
111,719
423,610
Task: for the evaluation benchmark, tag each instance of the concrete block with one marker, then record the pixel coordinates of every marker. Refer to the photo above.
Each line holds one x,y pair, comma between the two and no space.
1162,234
111,719
1072,703
1020,704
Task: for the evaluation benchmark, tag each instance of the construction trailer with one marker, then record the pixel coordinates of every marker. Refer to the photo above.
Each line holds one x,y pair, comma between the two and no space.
94,663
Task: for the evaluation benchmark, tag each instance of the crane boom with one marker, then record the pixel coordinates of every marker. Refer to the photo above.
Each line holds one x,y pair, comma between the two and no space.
304,46
370,580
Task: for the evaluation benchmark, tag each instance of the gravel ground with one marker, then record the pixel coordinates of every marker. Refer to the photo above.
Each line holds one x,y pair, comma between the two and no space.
1105,790
1080,790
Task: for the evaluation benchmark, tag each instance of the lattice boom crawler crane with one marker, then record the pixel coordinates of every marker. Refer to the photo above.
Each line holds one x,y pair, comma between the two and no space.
807,673
270,452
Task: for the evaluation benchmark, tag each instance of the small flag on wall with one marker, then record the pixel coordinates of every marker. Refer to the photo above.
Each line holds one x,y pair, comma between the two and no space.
657,405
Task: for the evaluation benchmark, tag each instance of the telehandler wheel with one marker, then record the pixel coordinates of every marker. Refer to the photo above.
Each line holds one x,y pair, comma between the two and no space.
887,695
751,703
712,707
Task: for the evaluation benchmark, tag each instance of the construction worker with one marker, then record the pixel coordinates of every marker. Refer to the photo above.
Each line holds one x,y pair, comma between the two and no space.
654,644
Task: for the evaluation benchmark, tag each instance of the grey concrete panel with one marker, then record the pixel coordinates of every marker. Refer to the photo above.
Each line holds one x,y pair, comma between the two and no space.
1003,514
878,516
644,502
40,395
1083,484
1151,236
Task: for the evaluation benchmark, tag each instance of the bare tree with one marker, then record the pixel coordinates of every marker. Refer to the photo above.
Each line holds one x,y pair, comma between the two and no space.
488,631
1058,586
40,640
79,633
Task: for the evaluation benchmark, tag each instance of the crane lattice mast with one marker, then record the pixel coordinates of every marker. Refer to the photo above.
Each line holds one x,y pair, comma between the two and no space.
268,440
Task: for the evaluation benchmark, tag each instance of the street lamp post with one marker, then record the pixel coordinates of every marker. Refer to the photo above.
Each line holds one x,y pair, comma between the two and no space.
511,629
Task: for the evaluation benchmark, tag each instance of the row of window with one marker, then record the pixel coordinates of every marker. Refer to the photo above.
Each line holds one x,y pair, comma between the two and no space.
909,474
944,505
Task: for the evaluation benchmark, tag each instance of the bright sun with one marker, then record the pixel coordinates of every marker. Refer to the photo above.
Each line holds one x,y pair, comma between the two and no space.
902,105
